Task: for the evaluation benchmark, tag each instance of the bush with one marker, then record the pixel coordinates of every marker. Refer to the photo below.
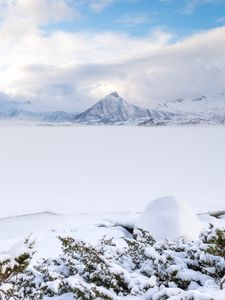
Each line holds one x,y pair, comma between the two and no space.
12,264
105,271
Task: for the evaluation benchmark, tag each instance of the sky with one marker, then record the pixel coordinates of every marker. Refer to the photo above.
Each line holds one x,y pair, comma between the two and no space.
67,54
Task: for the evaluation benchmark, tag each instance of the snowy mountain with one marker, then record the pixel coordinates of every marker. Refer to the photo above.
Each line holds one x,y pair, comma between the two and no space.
59,117
21,112
209,109
211,104
115,110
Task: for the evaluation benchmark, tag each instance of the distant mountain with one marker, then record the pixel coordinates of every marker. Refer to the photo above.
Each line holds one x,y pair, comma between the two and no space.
115,110
211,104
59,117
204,109
18,114
16,111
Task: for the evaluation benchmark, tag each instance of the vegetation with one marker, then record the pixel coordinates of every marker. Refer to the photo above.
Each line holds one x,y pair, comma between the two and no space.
109,272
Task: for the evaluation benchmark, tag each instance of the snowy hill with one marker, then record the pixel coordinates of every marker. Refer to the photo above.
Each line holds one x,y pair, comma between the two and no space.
113,110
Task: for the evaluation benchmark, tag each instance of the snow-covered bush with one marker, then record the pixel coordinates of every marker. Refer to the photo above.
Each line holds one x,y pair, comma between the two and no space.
13,264
169,269
91,272
184,263
213,262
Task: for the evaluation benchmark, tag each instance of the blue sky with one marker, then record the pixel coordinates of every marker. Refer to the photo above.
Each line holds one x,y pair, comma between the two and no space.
67,54
139,17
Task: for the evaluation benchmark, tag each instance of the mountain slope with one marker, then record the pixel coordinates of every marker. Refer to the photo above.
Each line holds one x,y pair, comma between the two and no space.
114,110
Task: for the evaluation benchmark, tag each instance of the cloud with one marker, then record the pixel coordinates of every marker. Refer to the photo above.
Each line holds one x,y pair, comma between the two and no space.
37,11
191,5
220,20
38,68
134,20
71,70
19,17
99,5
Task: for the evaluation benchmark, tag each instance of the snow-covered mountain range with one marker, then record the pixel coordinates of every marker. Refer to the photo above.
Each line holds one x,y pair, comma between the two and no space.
113,109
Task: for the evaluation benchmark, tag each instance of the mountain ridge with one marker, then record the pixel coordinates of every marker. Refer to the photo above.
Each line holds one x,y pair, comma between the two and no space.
114,110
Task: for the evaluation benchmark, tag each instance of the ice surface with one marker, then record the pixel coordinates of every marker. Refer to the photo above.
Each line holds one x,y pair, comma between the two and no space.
82,169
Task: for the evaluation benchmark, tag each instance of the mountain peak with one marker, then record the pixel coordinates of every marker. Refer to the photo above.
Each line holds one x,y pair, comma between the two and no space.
112,98
113,109
112,101
115,94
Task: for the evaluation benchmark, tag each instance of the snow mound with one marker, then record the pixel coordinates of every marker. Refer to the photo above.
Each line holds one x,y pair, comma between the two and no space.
169,217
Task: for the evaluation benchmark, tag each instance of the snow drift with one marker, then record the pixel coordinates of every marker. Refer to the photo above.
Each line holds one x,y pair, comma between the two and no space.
169,217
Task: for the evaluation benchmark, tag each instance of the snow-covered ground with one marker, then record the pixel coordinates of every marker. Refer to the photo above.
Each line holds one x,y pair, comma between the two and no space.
84,174
46,227
89,182
82,169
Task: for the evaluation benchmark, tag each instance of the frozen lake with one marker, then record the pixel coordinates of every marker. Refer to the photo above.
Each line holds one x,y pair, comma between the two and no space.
84,169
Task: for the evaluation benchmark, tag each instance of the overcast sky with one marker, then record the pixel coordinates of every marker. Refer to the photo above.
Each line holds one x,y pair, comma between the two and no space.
67,54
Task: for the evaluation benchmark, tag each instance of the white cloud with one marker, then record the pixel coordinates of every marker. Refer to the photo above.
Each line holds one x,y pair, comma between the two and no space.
134,20
71,70
37,11
99,5
191,5
39,68
19,17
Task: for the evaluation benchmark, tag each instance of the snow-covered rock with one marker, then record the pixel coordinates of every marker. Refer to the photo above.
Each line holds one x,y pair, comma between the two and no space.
169,217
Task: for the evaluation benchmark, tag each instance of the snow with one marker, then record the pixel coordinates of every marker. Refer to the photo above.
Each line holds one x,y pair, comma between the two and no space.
47,227
82,169
169,217
88,182
68,296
